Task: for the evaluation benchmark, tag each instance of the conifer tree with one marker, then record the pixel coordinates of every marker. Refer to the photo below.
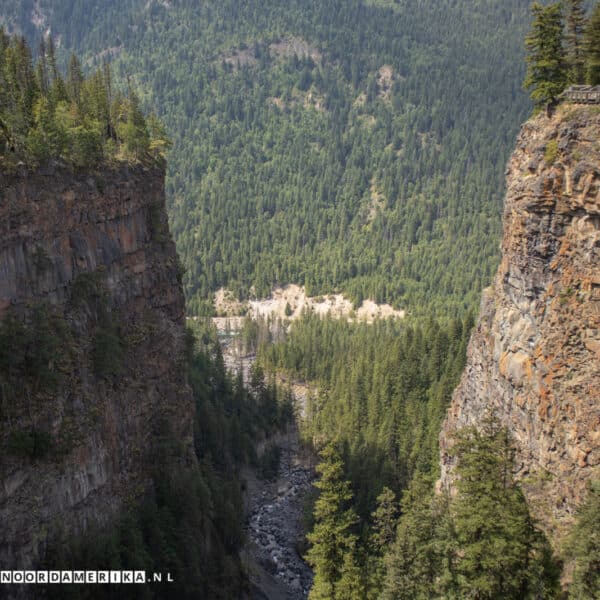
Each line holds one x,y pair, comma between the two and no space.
413,563
584,547
58,89
75,79
22,93
51,57
4,132
134,131
351,585
332,539
546,71
108,86
42,68
591,42
158,134
385,518
575,22
500,553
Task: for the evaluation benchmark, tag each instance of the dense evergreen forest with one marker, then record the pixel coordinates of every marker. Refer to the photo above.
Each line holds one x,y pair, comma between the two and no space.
338,144
345,146
85,121
378,530
383,392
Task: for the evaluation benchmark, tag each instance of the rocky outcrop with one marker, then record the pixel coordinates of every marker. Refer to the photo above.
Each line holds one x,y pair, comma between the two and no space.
534,356
92,254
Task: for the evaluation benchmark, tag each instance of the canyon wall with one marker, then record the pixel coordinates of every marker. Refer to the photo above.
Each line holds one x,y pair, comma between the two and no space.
534,356
86,260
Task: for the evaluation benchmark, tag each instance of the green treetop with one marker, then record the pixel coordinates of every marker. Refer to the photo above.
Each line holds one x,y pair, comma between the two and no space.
383,533
413,562
500,553
546,71
384,520
575,22
79,120
332,539
591,44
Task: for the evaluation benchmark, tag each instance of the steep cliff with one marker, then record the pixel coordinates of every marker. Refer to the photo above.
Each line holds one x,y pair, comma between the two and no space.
534,356
92,334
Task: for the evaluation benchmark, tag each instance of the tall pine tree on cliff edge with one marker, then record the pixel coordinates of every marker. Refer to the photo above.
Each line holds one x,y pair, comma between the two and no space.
546,61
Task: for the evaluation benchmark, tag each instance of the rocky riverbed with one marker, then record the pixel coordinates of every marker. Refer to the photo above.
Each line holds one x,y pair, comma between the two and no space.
275,526
274,509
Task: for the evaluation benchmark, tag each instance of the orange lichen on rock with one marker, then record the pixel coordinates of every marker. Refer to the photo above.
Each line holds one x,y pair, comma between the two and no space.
534,356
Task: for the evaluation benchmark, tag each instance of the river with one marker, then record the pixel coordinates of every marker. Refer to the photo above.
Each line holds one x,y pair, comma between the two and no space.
274,509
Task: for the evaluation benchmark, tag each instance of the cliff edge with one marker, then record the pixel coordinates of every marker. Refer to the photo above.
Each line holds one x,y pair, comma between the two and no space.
91,363
534,355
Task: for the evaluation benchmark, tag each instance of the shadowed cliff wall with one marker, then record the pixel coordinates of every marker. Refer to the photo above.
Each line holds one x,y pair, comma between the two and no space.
88,259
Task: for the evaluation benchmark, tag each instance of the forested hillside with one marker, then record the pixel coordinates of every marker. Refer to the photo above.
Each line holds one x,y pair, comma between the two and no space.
336,144
353,146
383,392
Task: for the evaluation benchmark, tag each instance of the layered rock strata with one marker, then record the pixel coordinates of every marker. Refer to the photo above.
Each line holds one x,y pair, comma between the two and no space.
534,356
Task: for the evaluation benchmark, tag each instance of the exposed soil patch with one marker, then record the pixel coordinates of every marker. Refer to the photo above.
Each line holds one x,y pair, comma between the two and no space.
289,47
291,302
385,81
376,203
285,48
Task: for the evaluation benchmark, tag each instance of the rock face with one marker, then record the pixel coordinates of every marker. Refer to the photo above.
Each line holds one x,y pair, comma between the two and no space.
93,251
534,356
